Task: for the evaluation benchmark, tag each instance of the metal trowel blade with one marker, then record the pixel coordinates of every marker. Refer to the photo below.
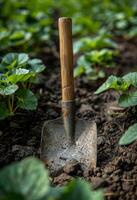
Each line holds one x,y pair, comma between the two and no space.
56,151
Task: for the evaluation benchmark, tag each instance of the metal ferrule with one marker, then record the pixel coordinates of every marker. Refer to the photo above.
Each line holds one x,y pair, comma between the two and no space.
68,110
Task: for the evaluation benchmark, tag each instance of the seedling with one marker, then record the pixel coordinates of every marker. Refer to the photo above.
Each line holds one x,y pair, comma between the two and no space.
88,43
92,63
17,72
126,86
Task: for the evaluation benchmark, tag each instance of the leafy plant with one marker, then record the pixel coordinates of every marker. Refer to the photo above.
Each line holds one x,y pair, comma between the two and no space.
87,44
127,88
123,85
17,72
28,180
92,63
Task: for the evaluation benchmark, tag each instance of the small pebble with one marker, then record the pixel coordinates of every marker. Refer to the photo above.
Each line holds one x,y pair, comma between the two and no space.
99,174
125,186
72,167
97,182
101,140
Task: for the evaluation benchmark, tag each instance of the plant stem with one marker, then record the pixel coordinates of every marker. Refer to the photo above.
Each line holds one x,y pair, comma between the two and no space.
12,101
15,109
23,85
10,104
29,85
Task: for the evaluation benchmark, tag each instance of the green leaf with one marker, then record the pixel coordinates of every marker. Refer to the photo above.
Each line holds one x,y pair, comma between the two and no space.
132,32
129,136
9,59
109,84
127,100
131,78
83,67
19,37
20,75
20,59
8,89
80,189
113,82
27,178
3,34
36,65
94,75
79,70
102,57
34,61
88,43
4,112
26,99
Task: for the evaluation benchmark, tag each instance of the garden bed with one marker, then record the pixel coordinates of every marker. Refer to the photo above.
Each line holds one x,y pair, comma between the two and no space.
116,170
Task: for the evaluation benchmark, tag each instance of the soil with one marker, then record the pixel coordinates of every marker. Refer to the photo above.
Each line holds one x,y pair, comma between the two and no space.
116,170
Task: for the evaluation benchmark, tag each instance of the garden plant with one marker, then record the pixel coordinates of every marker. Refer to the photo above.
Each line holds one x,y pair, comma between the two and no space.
17,73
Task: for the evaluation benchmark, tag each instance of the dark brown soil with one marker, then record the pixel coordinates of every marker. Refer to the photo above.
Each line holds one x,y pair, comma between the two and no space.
116,170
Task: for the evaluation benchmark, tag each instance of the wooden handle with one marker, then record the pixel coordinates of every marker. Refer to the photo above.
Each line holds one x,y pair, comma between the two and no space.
66,58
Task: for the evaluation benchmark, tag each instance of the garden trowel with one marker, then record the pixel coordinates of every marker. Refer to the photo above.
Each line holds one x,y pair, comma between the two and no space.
68,138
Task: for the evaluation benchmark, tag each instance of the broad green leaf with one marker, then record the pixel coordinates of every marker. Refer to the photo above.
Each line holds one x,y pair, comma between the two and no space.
94,75
36,65
34,61
8,89
37,68
20,59
88,43
132,32
127,100
20,75
79,70
121,24
3,78
21,71
26,99
131,78
5,68
3,34
109,84
19,37
81,190
82,61
102,57
4,112
77,46
113,82
83,66
9,58
27,178
129,136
